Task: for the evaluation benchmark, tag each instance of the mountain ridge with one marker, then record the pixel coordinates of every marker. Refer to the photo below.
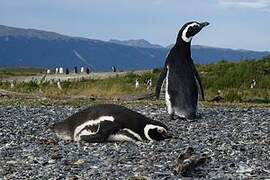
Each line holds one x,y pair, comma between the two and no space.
37,48
136,43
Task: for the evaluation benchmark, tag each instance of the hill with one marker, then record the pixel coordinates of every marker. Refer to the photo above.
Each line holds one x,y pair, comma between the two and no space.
35,48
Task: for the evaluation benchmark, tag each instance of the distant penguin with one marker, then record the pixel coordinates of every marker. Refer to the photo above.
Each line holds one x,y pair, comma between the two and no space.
67,71
218,97
87,71
253,84
59,85
82,69
108,122
56,70
12,84
137,84
61,70
149,83
181,77
113,69
75,70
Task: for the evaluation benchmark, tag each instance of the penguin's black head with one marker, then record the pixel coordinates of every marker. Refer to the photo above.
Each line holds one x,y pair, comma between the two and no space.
189,30
156,132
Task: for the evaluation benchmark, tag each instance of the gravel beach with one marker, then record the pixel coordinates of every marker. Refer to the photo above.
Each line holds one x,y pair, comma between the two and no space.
237,141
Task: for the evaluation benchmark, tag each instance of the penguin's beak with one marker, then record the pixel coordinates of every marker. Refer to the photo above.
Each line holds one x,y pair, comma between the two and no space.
203,24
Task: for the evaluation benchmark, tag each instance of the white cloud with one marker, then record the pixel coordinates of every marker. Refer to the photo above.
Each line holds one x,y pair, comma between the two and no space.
254,4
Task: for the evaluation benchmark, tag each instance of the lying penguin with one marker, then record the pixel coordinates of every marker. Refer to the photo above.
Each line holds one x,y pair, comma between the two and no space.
109,122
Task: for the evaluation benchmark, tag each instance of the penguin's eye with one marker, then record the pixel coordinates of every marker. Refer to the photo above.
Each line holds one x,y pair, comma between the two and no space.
195,28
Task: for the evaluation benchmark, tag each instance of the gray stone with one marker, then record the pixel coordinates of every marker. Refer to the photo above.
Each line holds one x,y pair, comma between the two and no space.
237,140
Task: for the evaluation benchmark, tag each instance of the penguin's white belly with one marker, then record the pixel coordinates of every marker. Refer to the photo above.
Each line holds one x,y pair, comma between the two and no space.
63,136
171,109
119,137
167,95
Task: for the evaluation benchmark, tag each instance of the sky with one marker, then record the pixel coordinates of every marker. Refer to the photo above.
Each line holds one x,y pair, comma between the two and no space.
237,24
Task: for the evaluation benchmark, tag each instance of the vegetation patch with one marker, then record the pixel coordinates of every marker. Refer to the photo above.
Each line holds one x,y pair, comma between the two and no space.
230,81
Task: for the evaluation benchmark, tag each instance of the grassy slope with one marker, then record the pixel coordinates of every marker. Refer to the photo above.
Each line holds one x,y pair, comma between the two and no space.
233,79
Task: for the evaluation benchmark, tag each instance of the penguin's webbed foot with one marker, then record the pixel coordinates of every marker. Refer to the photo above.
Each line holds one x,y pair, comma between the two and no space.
175,117
182,118
172,117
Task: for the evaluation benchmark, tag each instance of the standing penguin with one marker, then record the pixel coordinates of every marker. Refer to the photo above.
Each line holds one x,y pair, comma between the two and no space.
108,122
181,77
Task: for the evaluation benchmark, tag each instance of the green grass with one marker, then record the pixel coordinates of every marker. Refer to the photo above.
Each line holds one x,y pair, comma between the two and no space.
233,79
235,75
108,88
5,72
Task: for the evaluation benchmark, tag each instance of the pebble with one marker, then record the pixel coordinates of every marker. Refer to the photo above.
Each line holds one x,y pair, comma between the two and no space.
51,161
236,139
80,161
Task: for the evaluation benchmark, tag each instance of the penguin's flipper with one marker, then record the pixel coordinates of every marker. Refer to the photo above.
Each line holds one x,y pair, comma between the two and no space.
160,81
198,79
106,129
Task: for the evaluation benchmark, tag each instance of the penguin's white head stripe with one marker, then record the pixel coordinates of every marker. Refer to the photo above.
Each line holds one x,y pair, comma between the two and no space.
151,126
184,33
78,129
